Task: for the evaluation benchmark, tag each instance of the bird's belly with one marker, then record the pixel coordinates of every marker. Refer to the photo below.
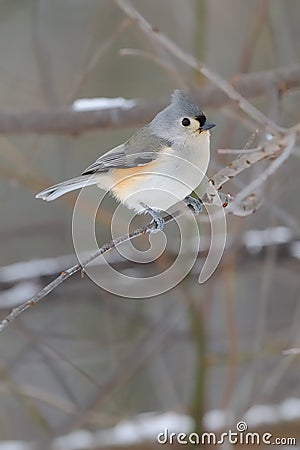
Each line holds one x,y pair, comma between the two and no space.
161,183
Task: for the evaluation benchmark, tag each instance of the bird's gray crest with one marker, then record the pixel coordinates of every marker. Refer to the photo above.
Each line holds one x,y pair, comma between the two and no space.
184,105
165,123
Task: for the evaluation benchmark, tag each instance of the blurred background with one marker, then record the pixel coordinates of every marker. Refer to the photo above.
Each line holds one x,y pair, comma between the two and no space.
87,369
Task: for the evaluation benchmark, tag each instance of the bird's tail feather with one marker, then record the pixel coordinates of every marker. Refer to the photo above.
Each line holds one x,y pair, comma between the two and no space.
59,189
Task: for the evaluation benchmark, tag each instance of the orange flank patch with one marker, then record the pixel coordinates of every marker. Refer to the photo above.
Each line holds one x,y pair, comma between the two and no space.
126,181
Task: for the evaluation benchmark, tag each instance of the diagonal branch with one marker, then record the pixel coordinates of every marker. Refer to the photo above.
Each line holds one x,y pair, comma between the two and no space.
267,150
284,150
246,202
78,267
154,34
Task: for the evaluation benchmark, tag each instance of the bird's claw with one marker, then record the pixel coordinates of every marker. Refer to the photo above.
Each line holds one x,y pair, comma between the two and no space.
195,204
159,224
156,219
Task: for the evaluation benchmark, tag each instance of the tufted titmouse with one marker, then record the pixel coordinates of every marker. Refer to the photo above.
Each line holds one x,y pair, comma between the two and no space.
160,165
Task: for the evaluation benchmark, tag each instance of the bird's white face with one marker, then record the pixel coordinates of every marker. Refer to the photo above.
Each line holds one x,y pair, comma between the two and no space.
194,125
188,127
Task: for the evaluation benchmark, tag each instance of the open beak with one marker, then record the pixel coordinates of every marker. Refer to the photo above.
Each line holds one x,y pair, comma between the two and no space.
208,126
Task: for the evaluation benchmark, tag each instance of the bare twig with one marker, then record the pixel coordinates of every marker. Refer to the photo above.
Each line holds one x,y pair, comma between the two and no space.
246,201
66,121
77,267
268,150
273,167
197,65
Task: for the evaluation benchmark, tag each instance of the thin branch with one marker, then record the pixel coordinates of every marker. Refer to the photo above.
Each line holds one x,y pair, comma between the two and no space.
270,170
246,202
78,267
199,66
67,121
270,149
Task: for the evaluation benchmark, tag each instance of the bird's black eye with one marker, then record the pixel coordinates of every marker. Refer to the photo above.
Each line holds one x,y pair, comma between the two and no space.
186,122
201,119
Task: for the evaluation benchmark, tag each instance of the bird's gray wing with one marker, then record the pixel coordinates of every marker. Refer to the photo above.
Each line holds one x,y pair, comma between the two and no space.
140,149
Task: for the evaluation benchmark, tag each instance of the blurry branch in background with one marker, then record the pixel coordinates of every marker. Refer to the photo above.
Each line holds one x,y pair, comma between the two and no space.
68,121
95,57
159,61
252,35
154,34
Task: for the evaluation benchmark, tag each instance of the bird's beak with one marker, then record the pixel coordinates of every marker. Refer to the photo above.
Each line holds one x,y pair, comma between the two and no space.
208,126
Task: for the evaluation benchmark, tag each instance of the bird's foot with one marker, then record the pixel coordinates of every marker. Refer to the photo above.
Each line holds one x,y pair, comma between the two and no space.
195,204
156,218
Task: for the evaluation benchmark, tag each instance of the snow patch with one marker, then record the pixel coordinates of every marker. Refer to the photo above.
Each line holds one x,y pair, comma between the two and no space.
94,104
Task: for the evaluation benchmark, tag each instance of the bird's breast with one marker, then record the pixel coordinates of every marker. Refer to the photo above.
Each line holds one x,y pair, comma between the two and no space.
165,181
